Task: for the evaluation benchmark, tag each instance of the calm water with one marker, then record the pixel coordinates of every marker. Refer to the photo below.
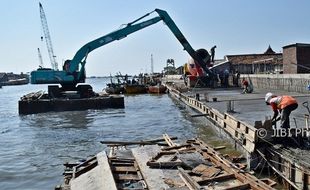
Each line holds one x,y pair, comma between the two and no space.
34,147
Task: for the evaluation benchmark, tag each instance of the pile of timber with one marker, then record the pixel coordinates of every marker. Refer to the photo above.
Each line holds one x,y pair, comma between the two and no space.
32,96
192,165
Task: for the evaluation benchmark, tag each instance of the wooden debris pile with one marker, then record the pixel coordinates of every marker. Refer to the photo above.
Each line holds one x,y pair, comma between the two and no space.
33,96
193,165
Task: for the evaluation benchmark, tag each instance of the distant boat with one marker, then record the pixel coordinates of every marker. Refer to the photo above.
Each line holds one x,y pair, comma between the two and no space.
16,82
157,89
135,89
113,88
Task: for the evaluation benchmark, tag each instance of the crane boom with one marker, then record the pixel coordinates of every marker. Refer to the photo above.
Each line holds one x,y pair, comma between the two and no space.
40,59
74,70
48,40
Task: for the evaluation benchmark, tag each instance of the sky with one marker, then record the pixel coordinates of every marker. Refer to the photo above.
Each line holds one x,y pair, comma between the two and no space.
235,27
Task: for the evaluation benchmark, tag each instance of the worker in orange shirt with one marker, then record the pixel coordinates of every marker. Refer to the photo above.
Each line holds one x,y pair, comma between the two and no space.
283,104
245,85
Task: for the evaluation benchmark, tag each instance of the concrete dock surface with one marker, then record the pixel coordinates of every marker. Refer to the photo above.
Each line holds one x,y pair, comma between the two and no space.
249,107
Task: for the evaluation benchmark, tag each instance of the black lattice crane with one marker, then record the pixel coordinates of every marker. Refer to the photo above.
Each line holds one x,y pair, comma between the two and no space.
47,37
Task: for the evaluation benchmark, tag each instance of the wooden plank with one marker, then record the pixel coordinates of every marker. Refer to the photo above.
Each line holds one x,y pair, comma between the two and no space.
191,184
122,160
99,178
70,165
137,143
118,164
217,178
239,187
211,172
176,147
124,169
146,142
206,171
171,164
200,169
85,164
127,177
154,178
84,169
169,140
219,148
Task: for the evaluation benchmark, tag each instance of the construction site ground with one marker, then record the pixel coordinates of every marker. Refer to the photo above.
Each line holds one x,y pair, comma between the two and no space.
251,107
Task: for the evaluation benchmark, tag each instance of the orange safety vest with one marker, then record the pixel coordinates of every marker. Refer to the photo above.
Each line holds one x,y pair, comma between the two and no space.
280,102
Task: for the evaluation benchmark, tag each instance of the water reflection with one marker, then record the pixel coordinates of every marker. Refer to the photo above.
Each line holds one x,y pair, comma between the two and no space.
34,147
67,119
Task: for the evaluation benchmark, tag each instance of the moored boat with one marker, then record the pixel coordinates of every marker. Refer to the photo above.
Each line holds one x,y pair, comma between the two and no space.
135,89
157,89
16,82
114,88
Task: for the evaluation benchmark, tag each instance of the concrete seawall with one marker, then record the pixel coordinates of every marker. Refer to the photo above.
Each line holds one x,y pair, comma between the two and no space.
287,82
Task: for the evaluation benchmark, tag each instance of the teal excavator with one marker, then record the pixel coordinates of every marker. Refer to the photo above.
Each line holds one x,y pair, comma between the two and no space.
74,70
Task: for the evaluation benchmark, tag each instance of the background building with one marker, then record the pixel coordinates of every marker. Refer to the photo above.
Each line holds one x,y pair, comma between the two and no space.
296,58
267,62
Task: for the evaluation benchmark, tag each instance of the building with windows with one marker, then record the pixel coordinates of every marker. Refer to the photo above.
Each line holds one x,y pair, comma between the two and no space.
267,62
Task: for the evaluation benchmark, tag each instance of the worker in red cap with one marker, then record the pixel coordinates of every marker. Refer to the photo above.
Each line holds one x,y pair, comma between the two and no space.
283,104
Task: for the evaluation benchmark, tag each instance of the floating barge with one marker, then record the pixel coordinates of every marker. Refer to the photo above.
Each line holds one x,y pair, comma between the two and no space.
39,102
160,164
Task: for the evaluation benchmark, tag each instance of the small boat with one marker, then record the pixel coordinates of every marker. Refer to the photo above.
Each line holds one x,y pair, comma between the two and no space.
21,81
157,89
135,89
113,88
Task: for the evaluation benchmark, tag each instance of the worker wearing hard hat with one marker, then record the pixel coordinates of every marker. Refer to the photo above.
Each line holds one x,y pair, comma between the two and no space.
284,104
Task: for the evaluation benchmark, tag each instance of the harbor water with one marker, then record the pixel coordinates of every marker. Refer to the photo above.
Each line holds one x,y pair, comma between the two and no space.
34,147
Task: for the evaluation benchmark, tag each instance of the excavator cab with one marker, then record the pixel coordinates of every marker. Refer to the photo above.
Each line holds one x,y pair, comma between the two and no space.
66,65
195,75
78,91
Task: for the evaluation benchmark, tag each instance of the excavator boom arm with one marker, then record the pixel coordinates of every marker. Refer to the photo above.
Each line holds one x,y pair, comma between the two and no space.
178,34
131,28
116,35
74,74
